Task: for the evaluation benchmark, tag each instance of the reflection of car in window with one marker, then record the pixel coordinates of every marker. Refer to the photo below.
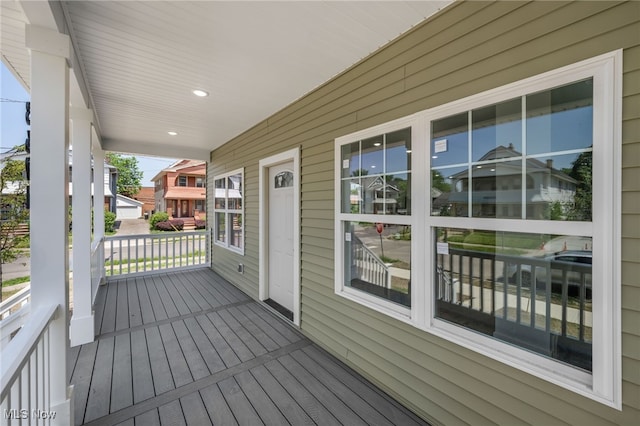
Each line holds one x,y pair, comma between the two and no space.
574,264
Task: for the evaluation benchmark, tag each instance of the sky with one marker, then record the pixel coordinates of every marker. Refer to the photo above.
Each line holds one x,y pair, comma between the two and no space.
14,129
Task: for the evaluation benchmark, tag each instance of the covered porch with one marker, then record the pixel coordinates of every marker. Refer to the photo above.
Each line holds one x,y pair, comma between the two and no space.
220,353
187,347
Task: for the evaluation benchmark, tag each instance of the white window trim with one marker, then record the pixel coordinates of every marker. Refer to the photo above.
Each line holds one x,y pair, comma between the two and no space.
228,224
392,309
604,384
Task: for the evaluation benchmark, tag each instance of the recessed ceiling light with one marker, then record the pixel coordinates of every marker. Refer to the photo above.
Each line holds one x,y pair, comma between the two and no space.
200,93
408,151
172,133
377,144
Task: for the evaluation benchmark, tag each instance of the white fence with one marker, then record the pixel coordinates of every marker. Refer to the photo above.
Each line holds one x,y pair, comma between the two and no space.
138,254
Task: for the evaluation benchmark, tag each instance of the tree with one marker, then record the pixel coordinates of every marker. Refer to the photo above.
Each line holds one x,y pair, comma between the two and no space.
14,213
129,174
581,171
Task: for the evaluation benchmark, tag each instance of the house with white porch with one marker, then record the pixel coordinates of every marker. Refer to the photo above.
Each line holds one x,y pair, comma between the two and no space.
278,312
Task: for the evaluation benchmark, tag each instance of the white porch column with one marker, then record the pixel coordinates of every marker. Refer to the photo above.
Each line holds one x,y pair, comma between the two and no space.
82,326
98,192
50,51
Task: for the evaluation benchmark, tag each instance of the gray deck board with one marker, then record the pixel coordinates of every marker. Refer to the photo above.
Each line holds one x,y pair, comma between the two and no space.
109,316
225,351
100,390
194,410
122,377
161,372
81,378
238,402
266,409
135,314
219,411
177,362
141,367
145,302
150,418
122,306
207,351
189,348
171,414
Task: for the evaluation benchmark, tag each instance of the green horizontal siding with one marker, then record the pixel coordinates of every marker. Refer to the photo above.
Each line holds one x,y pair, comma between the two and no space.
467,48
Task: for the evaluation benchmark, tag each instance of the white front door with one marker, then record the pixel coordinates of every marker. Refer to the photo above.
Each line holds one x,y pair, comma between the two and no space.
280,235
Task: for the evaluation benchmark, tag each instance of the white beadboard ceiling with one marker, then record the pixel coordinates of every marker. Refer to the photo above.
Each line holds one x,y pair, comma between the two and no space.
142,59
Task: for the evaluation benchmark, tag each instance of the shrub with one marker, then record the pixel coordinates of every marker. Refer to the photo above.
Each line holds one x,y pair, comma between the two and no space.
201,224
158,217
109,221
170,225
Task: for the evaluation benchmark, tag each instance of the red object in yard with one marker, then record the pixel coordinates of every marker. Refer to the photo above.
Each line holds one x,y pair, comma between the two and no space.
379,228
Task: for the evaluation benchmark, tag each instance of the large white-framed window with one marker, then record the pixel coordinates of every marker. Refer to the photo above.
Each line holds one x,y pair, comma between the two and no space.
373,220
228,210
516,208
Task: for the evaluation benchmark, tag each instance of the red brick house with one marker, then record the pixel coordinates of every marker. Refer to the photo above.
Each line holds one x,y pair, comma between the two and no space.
146,195
180,189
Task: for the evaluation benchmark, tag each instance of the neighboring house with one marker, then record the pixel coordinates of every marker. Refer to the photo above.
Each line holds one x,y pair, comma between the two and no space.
497,183
110,180
128,208
180,189
146,195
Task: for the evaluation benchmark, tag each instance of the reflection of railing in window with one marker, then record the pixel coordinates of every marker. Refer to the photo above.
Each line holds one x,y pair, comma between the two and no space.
368,266
538,304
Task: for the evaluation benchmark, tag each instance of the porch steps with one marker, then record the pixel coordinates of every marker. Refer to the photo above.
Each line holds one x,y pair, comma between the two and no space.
189,223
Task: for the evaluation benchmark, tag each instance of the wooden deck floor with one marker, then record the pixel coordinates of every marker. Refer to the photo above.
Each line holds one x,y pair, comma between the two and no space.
189,348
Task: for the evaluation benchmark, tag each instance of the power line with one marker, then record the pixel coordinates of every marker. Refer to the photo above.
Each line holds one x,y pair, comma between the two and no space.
12,100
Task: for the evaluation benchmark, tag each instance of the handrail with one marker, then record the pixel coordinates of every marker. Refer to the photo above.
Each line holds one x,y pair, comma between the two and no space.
374,270
20,297
18,352
145,253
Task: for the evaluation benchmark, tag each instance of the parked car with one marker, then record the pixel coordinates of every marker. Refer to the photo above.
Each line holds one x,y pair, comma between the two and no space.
576,264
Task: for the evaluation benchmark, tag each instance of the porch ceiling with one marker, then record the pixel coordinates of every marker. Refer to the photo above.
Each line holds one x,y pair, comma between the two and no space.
141,60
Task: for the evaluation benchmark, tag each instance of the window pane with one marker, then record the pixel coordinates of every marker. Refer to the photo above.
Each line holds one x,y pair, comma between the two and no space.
373,194
351,159
398,194
283,180
235,192
379,263
450,140
220,194
529,290
221,227
398,151
372,156
497,190
237,239
450,192
497,131
560,187
560,119
352,196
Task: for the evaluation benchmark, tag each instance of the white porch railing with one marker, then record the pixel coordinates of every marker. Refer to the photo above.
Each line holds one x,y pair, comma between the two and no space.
13,315
25,379
97,266
369,266
139,254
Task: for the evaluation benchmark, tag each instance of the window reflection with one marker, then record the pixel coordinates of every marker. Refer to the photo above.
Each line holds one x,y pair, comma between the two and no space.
542,183
378,260
376,175
531,290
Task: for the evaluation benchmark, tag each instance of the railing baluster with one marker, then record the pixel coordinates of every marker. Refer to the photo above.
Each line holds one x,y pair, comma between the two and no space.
565,300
